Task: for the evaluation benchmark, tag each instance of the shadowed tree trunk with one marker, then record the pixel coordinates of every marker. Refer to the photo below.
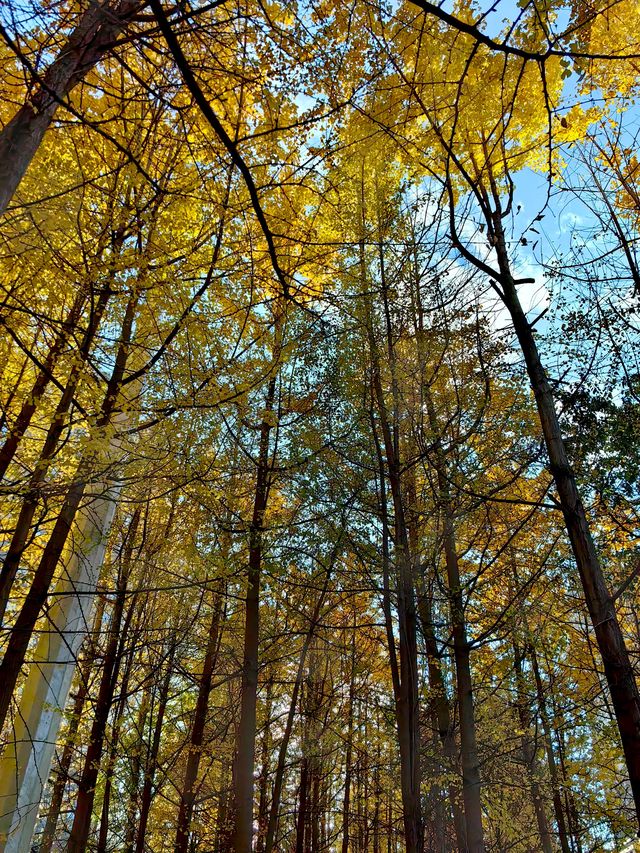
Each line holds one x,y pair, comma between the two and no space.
188,795
246,737
37,595
110,670
615,657
152,758
70,747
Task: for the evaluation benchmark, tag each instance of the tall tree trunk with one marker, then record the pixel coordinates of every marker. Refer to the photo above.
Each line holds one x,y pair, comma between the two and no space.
346,802
263,813
615,657
406,684
20,138
136,770
152,760
36,597
188,794
26,760
529,753
288,729
441,713
47,453
464,689
563,837
103,834
110,669
303,805
64,764
246,737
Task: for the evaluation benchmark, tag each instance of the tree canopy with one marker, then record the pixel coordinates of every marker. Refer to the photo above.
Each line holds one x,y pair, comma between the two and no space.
319,426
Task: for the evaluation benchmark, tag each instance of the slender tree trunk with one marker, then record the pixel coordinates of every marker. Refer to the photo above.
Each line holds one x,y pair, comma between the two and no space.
264,771
136,770
152,761
20,138
346,803
441,712
407,703
464,687
246,738
36,597
110,669
529,753
47,453
188,795
26,761
551,759
41,382
615,657
103,834
62,772
303,804
288,729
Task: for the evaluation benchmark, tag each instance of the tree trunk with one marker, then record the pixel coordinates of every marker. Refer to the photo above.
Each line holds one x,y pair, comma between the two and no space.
346,803
264,770
136,769
188,795
529,753
21,137
406,686
110,669
615,657
36,597
464,688
103,834
303,804
152,761
62,772
40,384
26,761
47,453
246,738
551,759
288,729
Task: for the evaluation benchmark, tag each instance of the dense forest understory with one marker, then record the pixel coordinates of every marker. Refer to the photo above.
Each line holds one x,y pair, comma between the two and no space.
319,426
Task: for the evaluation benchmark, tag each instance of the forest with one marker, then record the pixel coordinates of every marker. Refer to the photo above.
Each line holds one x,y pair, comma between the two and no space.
319,426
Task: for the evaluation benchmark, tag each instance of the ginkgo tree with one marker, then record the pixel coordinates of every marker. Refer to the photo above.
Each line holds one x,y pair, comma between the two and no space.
316,534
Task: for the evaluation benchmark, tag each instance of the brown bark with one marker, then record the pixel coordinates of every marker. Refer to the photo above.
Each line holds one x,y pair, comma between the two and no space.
103,834
110,670
406,686
303,804
288,729
36,597
529,753
20,138
263,814
47,453
615,656
188,794
551,759
346,802
152,759
41,383
136,770
246,736
441,713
